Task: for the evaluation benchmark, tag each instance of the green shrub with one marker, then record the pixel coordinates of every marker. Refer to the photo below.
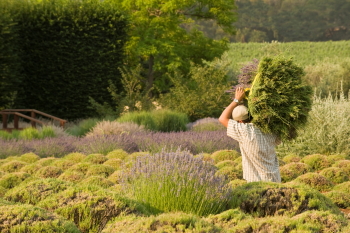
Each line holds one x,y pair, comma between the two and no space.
29,157
146,119
11,180
116,177
31,168
36,190
72,176
316,162
343,164
29,134
309,221
291,158
90,207
335,174
10,65
117,154
82,127
225,163
237,182
47,132
5,135
292,170
74,68
49,172
64,164
166,222
337,157
114,163
28,218
46,161
114,128
12,166
222,155
230,172
100,170
95,159
315,181
97,180
341,199
262,199
80,167
201,93
206,124
3,190
343,187
170,121
75,157
176,181
327,138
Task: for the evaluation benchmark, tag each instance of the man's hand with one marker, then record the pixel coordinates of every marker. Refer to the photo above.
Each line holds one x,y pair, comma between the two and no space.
240,93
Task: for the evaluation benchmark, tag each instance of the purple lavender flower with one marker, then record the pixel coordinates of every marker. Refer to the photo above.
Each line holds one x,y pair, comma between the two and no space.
177,181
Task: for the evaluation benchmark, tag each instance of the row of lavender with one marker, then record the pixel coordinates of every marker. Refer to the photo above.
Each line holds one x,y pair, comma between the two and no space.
195,142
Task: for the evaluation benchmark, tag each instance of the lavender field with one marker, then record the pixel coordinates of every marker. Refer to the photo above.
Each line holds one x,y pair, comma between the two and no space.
149,181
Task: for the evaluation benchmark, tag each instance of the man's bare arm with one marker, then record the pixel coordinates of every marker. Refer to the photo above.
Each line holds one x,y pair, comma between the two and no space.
227,113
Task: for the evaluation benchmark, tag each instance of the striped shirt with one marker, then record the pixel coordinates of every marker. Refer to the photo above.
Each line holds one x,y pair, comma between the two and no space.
259,160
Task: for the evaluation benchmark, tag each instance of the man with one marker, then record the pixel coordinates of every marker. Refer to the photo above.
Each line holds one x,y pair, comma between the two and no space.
259,158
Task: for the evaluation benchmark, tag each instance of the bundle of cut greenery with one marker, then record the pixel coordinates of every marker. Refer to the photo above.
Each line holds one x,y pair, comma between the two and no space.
279,101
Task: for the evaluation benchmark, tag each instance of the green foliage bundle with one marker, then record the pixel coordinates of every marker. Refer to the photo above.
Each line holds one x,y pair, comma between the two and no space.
279,101
69,51
163,120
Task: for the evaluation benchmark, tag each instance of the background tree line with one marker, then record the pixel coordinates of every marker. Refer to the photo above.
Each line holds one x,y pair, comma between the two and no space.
286,21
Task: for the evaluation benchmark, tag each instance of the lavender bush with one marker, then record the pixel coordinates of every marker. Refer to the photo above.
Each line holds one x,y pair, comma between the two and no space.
153,142
177,181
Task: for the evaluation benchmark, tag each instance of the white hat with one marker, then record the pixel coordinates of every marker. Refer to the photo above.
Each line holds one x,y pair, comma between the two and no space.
240,113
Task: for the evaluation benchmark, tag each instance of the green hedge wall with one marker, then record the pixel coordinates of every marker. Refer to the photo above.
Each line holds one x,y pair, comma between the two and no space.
69,51
9,62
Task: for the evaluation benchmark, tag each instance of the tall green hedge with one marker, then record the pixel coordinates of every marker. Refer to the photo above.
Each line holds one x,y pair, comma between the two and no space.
9,62
69,51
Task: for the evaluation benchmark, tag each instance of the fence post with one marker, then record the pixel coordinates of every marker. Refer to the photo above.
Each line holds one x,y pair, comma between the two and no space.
15,121
32,114
4,121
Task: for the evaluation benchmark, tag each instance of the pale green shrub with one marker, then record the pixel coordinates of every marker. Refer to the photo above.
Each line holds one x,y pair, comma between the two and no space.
316,181
29,157
82,127
316,161
166,222
29,134
28,218
292,170
114,128
222,155
143,118
117,154
335,174
206,124
327,130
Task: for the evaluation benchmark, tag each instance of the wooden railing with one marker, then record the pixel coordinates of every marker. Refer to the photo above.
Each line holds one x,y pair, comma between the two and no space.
33,113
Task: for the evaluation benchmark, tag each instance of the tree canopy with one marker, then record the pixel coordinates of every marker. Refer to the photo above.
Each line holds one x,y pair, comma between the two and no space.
160,41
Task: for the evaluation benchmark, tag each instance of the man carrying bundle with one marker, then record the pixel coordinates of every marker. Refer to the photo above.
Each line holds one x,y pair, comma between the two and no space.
259,158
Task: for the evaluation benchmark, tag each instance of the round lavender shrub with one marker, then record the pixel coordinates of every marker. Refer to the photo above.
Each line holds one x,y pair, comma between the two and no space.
177,181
